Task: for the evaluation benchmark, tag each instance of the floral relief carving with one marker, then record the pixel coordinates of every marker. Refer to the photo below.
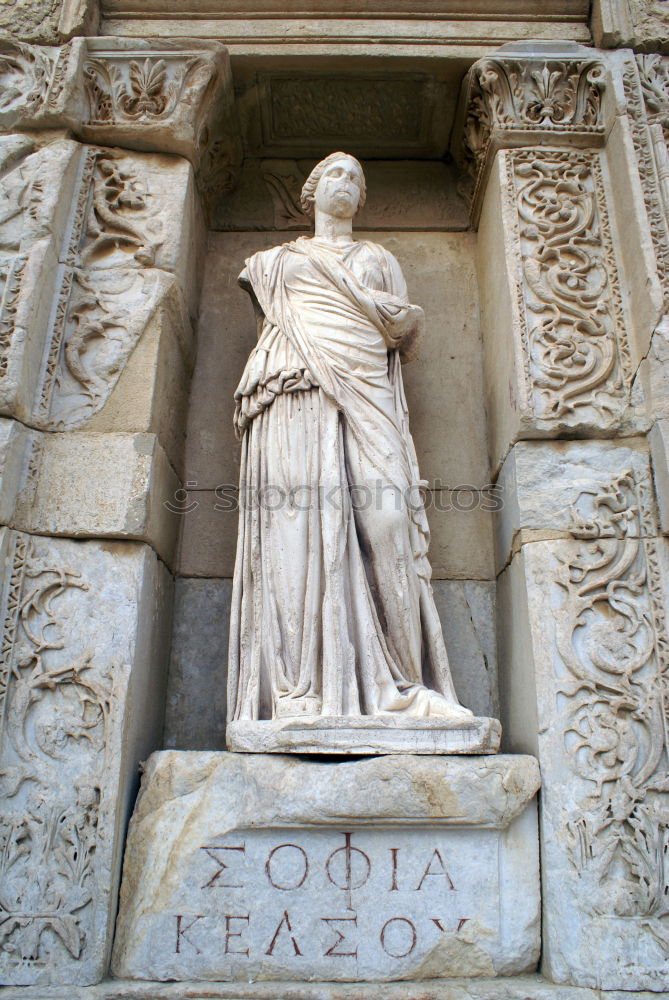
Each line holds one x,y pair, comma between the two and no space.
577,359
56,712
25,74
101,304
134,90
558,95
612,640
654,77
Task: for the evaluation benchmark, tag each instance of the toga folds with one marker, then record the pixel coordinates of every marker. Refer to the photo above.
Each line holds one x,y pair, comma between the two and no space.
332,608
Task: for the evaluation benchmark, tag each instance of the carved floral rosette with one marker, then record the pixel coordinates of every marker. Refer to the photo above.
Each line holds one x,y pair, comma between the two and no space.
646,86
523,102
576,356
610,692
57,707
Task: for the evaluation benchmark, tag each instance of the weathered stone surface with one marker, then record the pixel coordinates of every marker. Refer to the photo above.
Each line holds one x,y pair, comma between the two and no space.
197,682
468,619
15,442
48,21
639,24
283,819
659,453
364,735
505,988
99,486
582,674
558,357
84,646
545,485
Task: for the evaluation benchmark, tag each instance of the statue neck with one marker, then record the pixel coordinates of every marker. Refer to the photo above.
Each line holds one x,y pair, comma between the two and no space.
328,227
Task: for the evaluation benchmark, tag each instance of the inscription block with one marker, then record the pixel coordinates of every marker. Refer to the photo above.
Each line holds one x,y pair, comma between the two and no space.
242,867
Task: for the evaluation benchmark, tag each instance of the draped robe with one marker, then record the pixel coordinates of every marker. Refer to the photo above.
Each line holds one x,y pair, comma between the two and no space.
332,608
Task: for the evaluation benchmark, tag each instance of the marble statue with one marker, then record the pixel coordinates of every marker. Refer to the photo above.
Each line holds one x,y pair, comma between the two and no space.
332,611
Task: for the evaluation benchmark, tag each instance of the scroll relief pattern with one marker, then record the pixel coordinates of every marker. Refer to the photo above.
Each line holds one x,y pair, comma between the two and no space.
576,353
100,307
613,641
56,711
647,97
560,96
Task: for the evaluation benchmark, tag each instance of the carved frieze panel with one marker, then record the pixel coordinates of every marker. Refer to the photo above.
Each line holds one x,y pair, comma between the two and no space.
69,662
107,260
646,89
597,619
38,84
522,99
150,95
576,354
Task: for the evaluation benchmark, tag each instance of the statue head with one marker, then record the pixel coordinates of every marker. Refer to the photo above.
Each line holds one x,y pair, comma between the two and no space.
336,185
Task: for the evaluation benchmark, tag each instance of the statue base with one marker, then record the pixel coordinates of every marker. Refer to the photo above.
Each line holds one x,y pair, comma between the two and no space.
244,868
365,735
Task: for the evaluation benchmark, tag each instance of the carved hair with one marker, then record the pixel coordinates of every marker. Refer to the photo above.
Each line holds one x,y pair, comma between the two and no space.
311,183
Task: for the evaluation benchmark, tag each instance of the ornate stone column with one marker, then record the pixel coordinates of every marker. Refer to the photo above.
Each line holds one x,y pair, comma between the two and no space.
100,243
568,196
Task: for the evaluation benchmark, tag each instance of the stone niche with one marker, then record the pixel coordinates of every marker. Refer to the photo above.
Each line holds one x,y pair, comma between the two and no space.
523,191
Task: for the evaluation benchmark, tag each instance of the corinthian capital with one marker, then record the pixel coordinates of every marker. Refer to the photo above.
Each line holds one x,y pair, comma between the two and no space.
527,95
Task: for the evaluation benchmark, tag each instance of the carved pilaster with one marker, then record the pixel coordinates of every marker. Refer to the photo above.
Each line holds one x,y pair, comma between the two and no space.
71,664
586,653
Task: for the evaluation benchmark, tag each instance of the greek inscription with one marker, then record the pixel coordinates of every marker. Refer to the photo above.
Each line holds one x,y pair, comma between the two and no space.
393,937
331,921
182,932
303,863
277,933
221,867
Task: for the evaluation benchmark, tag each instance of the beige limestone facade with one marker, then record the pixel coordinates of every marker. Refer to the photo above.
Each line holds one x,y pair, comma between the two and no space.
517,165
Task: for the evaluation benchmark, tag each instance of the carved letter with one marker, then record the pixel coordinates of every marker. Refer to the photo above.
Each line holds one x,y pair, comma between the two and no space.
393,854
284,920
305,860
182,933
340,937
384,929
214,880
443,871
230,933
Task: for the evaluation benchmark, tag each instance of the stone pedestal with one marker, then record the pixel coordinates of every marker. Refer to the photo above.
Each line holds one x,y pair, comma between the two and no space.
243,867
365,735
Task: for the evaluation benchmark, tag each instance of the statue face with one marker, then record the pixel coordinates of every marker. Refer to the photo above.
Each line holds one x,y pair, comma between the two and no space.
338,190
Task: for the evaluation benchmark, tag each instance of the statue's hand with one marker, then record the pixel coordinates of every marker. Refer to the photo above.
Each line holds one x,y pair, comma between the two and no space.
403,324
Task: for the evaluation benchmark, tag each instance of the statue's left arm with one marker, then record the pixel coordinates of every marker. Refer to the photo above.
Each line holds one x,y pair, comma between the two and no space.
405,322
